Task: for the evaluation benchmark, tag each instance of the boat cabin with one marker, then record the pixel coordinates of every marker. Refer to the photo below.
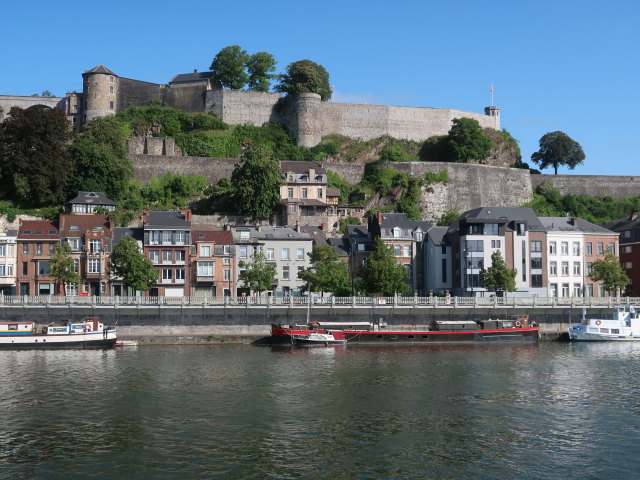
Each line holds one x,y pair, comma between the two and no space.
17,328
453,325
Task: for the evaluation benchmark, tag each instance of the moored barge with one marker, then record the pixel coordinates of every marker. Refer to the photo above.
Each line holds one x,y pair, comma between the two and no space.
517,329
88,333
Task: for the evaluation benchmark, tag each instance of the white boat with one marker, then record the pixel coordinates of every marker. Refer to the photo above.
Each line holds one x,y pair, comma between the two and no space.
89,332
326,338
623,325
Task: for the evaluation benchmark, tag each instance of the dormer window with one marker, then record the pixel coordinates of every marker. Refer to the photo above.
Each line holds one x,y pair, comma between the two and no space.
396,232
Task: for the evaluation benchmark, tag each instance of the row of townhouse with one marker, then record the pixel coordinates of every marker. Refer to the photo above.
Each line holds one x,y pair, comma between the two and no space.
553,256
189,259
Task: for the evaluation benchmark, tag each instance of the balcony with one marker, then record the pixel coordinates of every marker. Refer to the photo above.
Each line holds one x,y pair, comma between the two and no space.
205,278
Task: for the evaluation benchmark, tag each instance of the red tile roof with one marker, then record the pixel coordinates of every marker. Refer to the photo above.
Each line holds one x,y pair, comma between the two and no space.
220,238
38,230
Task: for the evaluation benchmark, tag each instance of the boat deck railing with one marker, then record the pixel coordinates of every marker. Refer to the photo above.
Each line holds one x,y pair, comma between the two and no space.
317,301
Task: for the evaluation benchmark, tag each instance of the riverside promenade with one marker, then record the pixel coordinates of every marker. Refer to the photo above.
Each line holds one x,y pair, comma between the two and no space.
244,319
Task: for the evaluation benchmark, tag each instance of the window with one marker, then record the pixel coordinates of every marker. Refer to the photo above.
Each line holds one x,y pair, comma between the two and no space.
2,251
553,269
226,275
154,256
588,290
292,208
536,246
396,232
601,290
444,270
244,234
305,193
271,254
3,270
319,193
589,268
612,248
285,273
226,261
521,227
475,229
628,265
475,262
443,249
396,250
71,288
600,248
43,268
166,237
564,248
553,289
565,289
626,234
205,250
576,268
205,269
536,262
406,250
180,274
474,246
300,253
111,89
536,280
155,237
552,248
111,104
577,290
576,248
94,265
565,269
290,192
285,254
167,256
588,248
25,268
25,248
181,238
38,249
627,249
95,246
242,251
491,229
74,242
167,275
179,256
52,247
76,265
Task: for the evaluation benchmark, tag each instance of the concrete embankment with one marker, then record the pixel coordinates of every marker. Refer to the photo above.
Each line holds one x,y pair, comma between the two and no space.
242,324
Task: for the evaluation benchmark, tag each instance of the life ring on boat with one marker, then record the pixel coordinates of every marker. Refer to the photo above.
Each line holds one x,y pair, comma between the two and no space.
518,323
598,322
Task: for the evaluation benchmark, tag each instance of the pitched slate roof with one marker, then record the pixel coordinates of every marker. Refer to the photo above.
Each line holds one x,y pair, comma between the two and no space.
390,220
340,246
566,224
94,198
500,214
135,233
626,223
191,77
358,231
317,235
437,235
281,233
301,167
100,69
161,219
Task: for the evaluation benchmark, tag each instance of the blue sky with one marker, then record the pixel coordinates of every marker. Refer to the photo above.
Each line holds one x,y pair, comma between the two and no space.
555,65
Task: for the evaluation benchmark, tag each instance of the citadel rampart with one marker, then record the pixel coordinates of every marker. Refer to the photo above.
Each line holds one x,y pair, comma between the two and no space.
614,186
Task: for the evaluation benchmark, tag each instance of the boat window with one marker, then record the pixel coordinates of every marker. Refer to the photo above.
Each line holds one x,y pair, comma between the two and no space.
378,336
13,327
604,330
412,336
615,330
425,336
394,337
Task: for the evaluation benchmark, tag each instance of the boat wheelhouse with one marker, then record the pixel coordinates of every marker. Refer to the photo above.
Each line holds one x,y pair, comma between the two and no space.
622,325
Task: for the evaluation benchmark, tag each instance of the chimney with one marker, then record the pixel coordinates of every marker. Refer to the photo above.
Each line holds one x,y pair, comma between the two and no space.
187,214
297,227
195,70
379,218
633,216
145,215
574,221
323,227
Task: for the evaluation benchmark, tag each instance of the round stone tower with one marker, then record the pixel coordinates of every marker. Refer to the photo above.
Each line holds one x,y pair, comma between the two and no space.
307,113
100,87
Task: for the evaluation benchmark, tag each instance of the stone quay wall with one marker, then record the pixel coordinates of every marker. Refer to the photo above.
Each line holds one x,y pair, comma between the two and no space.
202,324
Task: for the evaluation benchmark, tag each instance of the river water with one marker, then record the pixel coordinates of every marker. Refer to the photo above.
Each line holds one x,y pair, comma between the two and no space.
554,410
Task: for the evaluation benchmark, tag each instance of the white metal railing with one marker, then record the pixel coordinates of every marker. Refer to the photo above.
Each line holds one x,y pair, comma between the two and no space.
296,301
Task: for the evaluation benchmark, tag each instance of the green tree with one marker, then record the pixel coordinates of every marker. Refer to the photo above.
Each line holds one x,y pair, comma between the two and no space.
128,263
260,67
305,76
256,181
327,273
557,148
498,278
34,157
382,274
259,275
61,267
229,67
610,272
101,162
467,140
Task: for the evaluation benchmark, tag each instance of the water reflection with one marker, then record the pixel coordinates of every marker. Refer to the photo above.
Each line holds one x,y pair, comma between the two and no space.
437,411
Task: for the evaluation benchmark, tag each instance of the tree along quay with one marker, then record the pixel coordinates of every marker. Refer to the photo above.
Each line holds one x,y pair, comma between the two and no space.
243,319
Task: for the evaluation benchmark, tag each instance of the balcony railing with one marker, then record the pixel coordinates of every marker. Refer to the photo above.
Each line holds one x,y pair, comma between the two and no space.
297,301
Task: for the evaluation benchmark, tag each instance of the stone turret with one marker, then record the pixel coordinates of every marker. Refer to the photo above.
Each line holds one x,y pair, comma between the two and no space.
307,112
494,112
100,86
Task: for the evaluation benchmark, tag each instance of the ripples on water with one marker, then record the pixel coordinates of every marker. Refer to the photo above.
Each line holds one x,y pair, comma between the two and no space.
549,411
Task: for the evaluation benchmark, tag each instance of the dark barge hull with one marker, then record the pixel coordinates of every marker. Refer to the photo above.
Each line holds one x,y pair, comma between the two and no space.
43,344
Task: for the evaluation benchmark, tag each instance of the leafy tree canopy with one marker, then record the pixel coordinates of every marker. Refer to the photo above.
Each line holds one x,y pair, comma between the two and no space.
61,266
34,161
305,76
128,263
258,276
498,278
260,67
557,148
610,272
382,274
229,67
327,274
256,181
467,140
